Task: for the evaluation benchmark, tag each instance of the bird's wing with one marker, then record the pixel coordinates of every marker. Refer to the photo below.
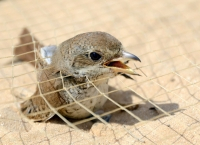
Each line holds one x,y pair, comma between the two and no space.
47,52
46,88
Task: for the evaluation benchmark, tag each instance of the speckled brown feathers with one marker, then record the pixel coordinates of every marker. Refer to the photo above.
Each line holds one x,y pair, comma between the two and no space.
71,64
75,50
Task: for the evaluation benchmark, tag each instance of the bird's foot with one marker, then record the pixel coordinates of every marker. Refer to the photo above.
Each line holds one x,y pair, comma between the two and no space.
106,117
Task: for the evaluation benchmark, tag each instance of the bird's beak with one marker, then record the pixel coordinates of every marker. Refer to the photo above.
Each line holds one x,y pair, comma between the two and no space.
119,66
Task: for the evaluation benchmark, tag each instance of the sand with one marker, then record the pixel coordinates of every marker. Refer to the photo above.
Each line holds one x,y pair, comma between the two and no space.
164,34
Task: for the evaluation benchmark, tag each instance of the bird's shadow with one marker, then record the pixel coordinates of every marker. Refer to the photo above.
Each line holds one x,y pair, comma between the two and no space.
144,111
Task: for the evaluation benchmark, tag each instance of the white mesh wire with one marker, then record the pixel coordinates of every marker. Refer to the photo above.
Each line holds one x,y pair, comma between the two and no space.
164,34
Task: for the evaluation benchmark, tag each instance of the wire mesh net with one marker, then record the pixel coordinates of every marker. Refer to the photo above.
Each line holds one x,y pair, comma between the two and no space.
165,36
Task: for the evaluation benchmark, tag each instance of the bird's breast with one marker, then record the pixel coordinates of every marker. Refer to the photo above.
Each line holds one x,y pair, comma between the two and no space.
89,97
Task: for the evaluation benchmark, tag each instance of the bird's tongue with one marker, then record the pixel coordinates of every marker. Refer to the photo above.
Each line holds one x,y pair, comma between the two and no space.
118,66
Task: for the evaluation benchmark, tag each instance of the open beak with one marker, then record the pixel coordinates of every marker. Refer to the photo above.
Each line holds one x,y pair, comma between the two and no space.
120,67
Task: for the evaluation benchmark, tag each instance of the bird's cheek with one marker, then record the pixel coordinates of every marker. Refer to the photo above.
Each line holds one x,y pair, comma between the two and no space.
80,61
108,72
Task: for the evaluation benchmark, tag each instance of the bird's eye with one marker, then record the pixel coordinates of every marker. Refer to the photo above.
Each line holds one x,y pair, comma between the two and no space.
95,56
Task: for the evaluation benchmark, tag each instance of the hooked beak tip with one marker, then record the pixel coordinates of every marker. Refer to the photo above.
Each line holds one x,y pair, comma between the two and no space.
137,59
130,56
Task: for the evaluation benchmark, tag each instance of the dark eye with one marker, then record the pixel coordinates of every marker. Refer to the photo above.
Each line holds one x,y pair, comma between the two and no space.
95,56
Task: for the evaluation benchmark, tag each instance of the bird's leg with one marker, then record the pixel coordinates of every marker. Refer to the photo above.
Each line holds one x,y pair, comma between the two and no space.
106,117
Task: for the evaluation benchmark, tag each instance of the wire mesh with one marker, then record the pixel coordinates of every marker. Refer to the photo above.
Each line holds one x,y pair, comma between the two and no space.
165,36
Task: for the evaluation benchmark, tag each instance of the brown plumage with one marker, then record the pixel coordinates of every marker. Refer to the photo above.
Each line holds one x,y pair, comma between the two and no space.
86,56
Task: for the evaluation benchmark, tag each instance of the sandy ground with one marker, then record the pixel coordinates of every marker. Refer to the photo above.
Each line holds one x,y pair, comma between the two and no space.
164,34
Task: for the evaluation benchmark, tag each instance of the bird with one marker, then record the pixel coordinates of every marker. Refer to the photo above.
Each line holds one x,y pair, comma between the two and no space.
65,73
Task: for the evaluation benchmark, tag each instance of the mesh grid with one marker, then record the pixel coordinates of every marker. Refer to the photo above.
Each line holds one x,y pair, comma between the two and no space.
165,36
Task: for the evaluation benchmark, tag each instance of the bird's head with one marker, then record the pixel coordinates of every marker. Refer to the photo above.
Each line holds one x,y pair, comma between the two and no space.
92,54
